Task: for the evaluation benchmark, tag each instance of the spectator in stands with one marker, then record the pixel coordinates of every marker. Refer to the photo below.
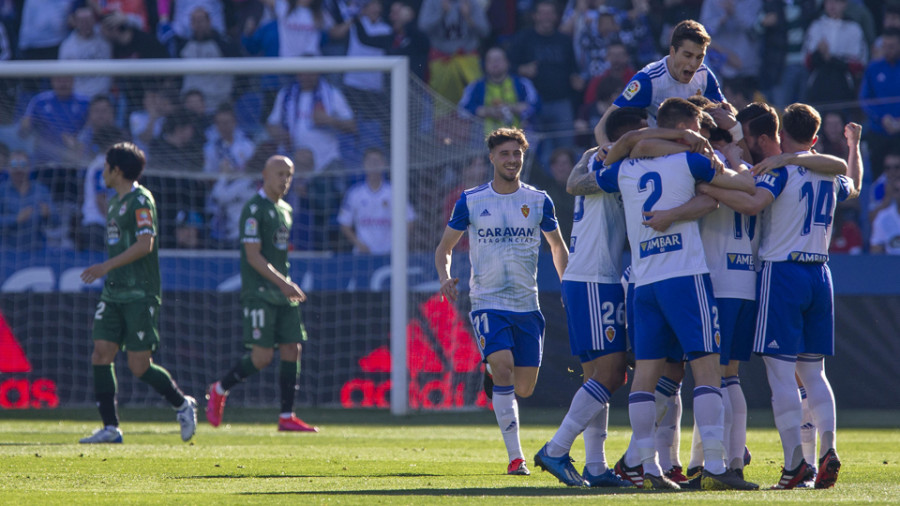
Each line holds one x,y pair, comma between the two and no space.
310,113
831,135
365,91
147,124
455,29
836,52
228,148
618,67
783,28
732,24
189,230
26,208
500,99
546,57
592,42
260,38
182,11
880,99
224,204
180,147
142,14
553,181
301,24
86,43
404,39
130,42
475,172
365,214
206,42
602,94
880,194
91,234
847,237
194,102
890,20
315,201
54,118
44,26
885,236
101,114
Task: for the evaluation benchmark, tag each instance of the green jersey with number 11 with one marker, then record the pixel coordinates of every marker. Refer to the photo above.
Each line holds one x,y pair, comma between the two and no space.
268,224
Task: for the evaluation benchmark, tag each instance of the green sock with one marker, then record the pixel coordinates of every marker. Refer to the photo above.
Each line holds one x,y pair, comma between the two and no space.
162,382
243,370
105,388
287,380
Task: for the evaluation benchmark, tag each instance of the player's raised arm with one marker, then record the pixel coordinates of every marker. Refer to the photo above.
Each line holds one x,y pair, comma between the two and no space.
442,259
600,128
816,162
581,180
853,132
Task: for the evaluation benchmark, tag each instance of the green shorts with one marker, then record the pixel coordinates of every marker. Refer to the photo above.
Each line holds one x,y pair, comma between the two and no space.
268,325
134,326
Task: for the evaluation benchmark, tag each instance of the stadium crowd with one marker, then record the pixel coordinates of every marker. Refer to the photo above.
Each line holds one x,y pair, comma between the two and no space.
549,67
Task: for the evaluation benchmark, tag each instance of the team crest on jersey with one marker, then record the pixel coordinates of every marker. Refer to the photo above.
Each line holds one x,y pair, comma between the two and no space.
143,218
610,333
481,342
631,90
122,209
251,227
281,238
525,210
718,338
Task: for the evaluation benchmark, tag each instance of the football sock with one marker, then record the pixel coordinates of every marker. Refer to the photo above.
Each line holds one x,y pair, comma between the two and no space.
709,412
727,421
162,382
821,401
668,431
807,430
595,442
287,381
586,403
786,407
241,371
641,413
506,409
696,447
105,387
738,439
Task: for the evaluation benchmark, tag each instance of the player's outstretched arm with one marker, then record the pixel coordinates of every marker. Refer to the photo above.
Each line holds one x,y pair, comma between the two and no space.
816,162
740,201
559,250
442,259
853,132
600,128
141,248
653,142
259,263
694,209
732,180
581,180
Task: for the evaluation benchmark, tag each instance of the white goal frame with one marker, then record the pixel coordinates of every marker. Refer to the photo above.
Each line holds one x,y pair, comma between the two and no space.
397,66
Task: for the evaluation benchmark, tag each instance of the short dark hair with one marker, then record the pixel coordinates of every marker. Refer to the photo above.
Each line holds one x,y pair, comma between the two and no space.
624,120
674,111
801,122
128,158
700,101
689,30
501,135
760,118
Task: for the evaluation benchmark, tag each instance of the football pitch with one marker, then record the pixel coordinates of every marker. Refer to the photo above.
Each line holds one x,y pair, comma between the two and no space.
370,457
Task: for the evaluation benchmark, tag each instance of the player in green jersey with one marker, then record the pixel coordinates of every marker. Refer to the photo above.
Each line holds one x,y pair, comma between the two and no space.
271,300
127,315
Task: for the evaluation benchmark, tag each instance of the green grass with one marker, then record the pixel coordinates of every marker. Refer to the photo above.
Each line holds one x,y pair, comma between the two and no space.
369,457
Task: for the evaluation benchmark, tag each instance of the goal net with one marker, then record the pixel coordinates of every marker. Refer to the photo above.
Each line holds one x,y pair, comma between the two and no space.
207,127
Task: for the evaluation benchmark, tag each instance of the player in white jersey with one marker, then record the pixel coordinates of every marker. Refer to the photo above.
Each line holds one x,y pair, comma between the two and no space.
795,322
680,74
594,302
673,297
503,219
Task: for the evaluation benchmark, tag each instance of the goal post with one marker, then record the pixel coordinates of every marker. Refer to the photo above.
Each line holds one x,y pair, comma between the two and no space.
444,142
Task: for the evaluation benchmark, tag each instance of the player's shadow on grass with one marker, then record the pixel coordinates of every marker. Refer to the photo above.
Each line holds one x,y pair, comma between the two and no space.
470,492
366,475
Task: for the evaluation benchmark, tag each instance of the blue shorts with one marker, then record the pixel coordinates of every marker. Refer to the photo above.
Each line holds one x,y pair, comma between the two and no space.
521,333
737,321
796,309
596,316
675,313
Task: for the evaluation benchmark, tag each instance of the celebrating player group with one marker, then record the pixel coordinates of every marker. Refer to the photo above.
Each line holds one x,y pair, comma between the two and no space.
727,215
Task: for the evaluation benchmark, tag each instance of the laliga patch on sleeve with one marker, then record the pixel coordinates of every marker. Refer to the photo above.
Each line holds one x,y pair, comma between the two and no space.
143,218
251,227
631,90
